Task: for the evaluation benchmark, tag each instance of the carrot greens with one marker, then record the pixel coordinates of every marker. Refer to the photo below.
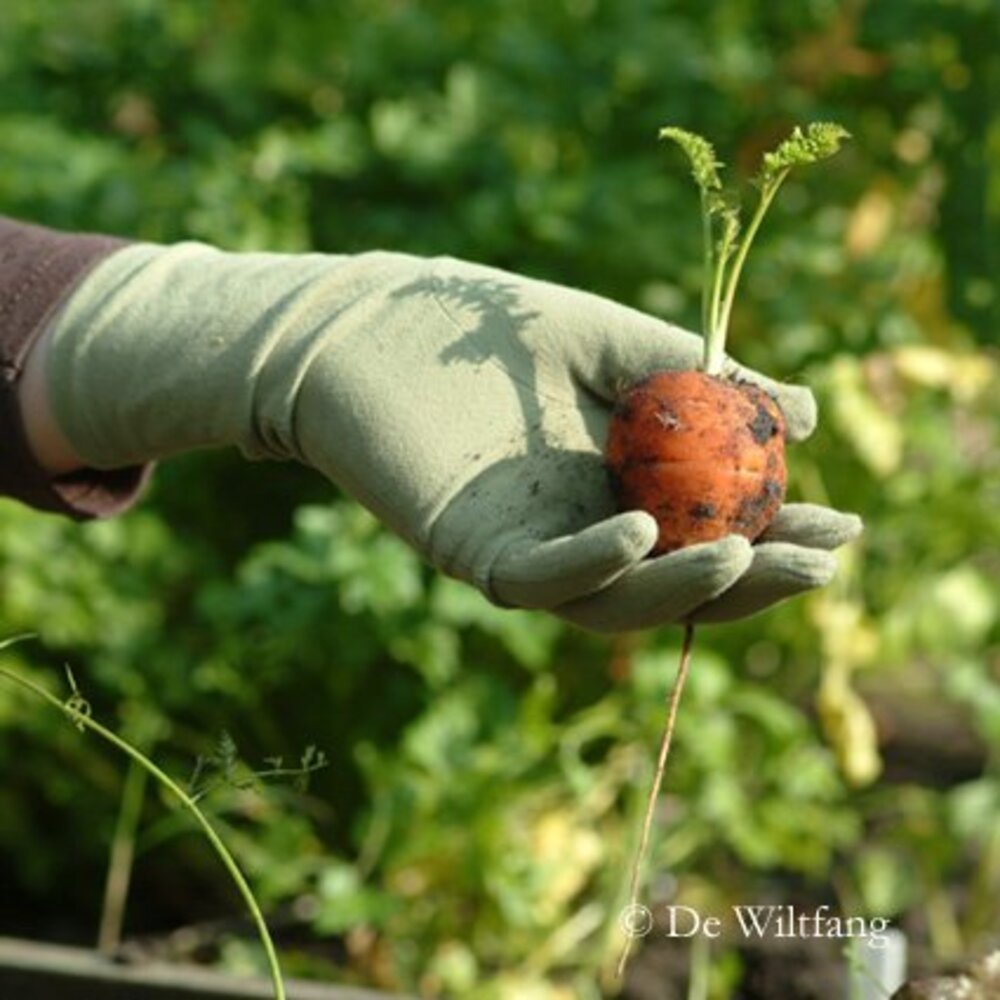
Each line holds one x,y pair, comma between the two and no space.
725,251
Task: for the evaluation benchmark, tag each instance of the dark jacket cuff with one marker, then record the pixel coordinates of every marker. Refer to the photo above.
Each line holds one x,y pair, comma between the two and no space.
39,268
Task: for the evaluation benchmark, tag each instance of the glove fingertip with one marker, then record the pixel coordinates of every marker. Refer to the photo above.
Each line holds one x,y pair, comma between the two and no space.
636,532
820,570
781,570
731,551
799,407
851,526
710,567
813,526
805,566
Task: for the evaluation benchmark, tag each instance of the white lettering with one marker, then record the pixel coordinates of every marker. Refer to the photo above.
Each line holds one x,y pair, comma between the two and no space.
785,921
752,921
876,932
691,914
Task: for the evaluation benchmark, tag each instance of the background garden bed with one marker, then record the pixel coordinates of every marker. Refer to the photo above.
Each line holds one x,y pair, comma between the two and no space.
479,809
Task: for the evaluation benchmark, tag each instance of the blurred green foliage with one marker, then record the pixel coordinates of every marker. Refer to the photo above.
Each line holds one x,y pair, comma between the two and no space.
472,834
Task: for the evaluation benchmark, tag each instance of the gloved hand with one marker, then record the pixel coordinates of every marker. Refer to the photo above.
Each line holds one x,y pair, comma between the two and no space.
465,406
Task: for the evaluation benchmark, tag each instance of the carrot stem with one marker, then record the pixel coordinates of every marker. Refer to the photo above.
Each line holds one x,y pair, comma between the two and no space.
654,791
715,332
707,308
714,363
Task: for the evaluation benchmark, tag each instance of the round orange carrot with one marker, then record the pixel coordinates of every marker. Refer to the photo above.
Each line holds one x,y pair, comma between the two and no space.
704,455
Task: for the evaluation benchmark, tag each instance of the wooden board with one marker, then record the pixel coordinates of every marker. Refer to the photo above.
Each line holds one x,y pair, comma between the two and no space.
29,969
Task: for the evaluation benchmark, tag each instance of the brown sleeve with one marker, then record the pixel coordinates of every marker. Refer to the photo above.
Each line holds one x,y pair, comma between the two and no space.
38,270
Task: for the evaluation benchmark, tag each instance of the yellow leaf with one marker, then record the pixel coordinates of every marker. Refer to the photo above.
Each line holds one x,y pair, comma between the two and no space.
965,375
870,223
875,435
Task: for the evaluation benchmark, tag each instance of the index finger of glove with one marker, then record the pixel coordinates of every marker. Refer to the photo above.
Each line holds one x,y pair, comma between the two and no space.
621,346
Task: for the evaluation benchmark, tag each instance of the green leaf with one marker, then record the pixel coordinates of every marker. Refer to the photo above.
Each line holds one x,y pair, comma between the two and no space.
819,141
701,153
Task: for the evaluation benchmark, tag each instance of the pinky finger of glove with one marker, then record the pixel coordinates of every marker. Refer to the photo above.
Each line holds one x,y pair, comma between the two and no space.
779,570
813,526
529,573
662,590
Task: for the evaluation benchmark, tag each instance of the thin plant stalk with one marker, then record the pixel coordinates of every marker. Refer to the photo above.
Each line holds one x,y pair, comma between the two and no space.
654,791
78,713
722,327
716,330
707,315
121,858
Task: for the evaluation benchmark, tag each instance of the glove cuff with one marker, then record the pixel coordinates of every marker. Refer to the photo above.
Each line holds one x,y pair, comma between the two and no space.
167,349
38,269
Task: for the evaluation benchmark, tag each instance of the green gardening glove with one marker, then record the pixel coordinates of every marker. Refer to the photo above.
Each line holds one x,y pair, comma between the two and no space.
465,406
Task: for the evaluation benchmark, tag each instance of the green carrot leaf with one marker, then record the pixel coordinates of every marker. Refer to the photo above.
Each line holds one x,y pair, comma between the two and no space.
701,154
726,244
819,141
